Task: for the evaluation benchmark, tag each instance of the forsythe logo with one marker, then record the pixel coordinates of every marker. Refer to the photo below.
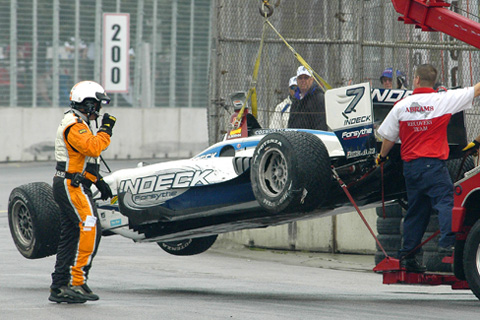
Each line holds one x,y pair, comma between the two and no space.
357,133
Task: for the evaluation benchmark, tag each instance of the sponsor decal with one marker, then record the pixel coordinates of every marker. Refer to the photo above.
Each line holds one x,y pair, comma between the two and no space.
154,190
166,181
207,156
116,222
360,153
357,133
357,120
389,96
82,131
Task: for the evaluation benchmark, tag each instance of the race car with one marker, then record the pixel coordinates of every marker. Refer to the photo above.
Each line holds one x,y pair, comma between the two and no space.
254,178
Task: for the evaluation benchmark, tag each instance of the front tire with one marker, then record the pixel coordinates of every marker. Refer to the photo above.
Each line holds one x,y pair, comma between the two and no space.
471,259
188,247
34,220
290,172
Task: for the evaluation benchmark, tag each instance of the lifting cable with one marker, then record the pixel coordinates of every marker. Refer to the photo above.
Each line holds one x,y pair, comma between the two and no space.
266,10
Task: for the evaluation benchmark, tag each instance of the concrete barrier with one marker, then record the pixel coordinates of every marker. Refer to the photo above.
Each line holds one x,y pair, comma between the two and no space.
27,134
343,233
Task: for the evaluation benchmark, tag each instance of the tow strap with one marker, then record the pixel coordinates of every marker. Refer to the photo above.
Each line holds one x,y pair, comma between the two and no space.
266,10
345,189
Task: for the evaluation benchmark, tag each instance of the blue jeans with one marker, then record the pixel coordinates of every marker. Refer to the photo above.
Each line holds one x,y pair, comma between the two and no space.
429,187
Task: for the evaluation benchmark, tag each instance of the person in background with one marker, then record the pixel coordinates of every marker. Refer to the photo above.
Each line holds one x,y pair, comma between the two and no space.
387,79
420,121
77,151
308,109
282,110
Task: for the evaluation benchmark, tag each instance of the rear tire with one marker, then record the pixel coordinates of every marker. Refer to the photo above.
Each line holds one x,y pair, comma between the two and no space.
471,259
290,172
188,247
34,220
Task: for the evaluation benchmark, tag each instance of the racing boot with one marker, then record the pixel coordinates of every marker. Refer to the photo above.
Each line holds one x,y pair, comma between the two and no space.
85,292
65,294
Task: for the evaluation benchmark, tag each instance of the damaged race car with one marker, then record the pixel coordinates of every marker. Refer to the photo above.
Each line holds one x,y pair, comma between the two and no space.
254,178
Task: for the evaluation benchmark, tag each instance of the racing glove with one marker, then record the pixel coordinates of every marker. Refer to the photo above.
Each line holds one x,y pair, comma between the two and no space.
104,188
379,160
472,147
108,122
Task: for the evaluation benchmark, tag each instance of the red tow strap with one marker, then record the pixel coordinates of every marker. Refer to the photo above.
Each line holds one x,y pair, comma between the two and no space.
345,189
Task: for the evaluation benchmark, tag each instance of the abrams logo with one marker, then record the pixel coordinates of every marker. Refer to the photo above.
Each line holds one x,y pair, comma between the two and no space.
154,190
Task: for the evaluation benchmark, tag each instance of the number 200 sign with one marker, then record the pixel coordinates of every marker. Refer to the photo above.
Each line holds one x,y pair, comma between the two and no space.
116,43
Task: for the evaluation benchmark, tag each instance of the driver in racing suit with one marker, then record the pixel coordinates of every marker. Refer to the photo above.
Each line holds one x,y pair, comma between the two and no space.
77,151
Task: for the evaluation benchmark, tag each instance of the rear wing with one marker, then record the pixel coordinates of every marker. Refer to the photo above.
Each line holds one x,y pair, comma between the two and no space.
354,117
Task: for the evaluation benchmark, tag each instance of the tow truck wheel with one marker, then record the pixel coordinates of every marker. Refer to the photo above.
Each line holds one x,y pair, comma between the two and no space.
471,259
33,218
290,172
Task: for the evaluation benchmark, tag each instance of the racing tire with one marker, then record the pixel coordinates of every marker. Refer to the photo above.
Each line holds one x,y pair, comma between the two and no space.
392,210
433,262
34,220
388,225
290,172
453,166
389,242
188,247
471,259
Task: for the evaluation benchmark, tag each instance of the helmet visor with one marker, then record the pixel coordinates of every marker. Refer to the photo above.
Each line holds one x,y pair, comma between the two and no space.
102,97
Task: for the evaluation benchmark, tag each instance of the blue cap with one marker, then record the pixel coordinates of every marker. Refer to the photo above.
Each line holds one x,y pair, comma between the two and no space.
387,73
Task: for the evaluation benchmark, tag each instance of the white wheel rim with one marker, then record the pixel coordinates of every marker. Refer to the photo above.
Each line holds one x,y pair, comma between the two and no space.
273,172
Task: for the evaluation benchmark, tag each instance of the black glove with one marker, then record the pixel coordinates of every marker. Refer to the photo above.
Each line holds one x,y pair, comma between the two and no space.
104,188
108,122
379,160
472,147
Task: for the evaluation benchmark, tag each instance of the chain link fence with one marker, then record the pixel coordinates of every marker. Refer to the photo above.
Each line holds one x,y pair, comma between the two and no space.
344,41
49,45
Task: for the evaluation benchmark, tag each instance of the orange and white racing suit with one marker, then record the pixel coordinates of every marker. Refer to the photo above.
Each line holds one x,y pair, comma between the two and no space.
76,151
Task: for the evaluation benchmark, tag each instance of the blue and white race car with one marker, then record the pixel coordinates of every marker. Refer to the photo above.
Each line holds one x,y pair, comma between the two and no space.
254,178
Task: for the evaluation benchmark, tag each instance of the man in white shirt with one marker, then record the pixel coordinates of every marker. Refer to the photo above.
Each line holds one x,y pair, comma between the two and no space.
282,110
420,122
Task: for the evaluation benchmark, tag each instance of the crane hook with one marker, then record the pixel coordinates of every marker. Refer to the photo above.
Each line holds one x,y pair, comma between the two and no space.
265,9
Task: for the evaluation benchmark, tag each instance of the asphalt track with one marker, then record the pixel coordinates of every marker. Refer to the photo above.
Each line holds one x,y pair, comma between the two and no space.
140,281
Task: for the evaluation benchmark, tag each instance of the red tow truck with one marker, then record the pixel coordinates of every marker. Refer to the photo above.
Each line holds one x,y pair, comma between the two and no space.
433,15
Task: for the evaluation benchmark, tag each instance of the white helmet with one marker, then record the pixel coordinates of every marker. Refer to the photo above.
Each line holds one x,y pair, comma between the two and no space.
87,96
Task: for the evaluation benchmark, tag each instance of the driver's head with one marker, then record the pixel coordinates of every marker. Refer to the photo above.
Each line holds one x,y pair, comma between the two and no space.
88,98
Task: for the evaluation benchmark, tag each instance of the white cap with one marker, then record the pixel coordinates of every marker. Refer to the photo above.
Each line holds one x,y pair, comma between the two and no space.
292,81
302,70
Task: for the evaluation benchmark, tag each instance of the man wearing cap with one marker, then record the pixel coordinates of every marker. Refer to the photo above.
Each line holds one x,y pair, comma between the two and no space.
282,110
308,110
387,82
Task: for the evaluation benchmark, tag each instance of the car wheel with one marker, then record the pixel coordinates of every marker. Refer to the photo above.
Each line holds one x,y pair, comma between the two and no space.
290,172
33,218
188,247
471,259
